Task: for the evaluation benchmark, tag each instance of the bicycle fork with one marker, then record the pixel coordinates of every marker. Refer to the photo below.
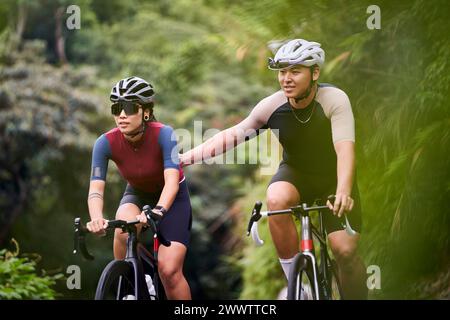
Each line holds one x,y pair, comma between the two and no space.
307,248
156,244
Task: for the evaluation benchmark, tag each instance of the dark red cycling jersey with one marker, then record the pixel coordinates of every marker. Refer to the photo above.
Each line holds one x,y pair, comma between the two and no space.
142,165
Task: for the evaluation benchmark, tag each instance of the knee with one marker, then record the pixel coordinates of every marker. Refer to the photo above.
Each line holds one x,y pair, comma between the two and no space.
277,202
169,273
345,256
120,236
280,223
124,214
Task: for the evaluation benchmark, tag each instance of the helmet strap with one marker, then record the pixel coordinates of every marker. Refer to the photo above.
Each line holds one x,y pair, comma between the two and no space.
134,134
139,130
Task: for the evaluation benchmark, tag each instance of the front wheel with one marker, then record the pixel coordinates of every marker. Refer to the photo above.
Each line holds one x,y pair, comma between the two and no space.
301,279
116,282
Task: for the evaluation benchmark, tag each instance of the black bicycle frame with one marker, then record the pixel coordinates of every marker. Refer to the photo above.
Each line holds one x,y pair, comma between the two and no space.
133,258
132,255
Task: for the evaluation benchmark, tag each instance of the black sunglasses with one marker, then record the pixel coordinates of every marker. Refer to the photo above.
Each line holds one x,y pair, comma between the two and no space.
130,107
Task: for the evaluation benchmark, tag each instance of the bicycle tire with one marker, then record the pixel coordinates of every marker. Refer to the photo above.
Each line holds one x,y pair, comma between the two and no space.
334,283
116,282
301,280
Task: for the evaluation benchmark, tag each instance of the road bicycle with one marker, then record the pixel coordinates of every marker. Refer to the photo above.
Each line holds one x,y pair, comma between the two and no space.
308,279
134,278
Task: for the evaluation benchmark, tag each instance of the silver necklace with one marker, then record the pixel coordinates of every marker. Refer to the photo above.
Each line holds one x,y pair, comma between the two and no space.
309,118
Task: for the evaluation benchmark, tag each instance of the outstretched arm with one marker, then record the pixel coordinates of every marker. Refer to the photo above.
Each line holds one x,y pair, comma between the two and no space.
231,137
217,145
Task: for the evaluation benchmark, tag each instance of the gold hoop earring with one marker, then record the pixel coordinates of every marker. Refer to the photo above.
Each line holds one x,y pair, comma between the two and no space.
146,117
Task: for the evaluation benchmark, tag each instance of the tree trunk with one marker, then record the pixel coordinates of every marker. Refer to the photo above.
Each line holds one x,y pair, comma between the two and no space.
21,20
59,38
17,205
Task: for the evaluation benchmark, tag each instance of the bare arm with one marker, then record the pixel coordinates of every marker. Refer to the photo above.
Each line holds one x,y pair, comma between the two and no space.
170,190
95,205
345,151
168,194
217,145
231,137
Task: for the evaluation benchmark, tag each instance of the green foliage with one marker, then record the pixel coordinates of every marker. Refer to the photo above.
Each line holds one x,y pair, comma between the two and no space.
5,10
19,278
406,155
397,80
208,62
262,276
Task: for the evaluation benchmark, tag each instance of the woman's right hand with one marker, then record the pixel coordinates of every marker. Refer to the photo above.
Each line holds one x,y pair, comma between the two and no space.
97,226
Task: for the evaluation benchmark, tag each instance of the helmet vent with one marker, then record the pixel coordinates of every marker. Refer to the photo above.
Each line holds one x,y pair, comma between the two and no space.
147,93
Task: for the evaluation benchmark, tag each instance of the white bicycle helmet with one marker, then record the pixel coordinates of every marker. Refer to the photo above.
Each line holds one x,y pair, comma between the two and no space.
297,52
132,89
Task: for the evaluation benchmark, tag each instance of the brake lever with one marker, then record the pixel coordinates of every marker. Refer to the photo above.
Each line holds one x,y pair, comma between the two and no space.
255,216
150,222
79,243
348,227
153,224
331,198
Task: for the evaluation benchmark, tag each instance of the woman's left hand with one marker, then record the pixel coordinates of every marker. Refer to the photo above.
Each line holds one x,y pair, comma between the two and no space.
155,213
142,218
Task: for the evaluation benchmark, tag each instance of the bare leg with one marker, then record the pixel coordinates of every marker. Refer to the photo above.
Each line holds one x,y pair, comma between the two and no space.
352,272
170,266
282,195
127,212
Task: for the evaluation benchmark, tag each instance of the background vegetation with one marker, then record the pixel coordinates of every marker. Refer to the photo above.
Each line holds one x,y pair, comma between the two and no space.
207,61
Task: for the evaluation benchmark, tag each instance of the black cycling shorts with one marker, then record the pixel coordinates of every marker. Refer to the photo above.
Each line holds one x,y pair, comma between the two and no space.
177,221
312,187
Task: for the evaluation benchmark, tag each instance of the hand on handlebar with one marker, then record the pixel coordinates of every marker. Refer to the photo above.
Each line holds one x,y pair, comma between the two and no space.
142,218
340,203
156,215
97,226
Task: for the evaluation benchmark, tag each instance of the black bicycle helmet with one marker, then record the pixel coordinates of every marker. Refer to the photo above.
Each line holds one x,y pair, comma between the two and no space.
132,89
